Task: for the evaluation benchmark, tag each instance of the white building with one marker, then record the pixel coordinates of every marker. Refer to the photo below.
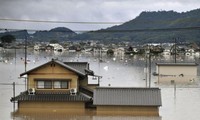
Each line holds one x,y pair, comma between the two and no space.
176,72
57,47
37,47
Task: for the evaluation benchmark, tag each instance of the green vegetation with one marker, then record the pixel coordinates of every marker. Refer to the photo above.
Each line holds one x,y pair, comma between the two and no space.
8,38
53,41
142,28
59,34
154,26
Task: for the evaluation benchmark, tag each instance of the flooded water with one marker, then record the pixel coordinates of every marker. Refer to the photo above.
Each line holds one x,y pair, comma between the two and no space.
178,103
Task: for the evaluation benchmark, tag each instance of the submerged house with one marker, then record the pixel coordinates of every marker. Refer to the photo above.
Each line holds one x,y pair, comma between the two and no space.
72,86
127,101
176,72
57,85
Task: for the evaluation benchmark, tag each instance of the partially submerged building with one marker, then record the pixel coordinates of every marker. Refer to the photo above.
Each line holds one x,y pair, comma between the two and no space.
57,85
128,101
72,86
176,72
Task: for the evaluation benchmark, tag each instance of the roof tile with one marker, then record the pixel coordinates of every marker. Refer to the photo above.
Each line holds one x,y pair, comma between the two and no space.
127,96
51,97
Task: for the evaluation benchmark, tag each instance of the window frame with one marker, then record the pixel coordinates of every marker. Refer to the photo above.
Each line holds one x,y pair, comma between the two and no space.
67,81
61,82
44,86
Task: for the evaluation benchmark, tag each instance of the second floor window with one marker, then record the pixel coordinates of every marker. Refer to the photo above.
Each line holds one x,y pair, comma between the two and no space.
60,84
44,84
52,84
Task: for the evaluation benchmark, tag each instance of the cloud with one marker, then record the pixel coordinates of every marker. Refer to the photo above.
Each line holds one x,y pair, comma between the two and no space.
83,10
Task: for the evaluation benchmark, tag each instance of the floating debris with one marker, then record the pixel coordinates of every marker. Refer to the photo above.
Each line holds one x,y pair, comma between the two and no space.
106,68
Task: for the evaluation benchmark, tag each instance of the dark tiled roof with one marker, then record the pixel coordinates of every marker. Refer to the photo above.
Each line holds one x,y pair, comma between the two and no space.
81,68
51,97
127,96
74,69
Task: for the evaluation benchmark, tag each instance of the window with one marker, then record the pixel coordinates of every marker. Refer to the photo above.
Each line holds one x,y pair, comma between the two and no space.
52,83
61,84
44,84
93,80
57,84
40,84
48,84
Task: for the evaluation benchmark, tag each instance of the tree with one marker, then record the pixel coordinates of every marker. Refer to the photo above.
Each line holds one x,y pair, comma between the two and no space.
53,41
8,39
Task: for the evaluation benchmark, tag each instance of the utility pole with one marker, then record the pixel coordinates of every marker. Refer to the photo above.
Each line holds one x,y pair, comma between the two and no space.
149,69
25,60
14,95
175,50
146,66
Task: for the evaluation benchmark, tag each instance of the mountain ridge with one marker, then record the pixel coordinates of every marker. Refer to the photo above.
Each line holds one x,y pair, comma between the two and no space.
153,20
145,21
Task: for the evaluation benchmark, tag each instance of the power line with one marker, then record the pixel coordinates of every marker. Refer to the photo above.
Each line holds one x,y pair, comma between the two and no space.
98,23
90,22
33,30
117,30
152,29
10,84
161,85
50,21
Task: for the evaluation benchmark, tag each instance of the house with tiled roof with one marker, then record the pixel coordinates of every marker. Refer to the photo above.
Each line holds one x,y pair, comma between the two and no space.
127,101
57,85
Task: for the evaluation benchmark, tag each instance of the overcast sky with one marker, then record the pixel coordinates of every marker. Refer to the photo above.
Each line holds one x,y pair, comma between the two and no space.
82,11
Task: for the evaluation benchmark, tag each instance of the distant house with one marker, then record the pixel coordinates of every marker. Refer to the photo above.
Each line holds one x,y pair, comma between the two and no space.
176,72
57,47
49,48
166,50
72,49
189,51
97,49
38,47
130,101
57,85
1,47
156,49
134,50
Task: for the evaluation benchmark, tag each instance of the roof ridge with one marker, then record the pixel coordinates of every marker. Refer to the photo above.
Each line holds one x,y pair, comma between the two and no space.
58,62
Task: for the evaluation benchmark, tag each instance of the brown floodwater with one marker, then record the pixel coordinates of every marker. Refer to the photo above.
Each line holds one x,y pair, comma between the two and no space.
88,114
180,103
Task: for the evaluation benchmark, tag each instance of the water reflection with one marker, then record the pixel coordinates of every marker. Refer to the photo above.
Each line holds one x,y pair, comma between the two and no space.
74,115
126,118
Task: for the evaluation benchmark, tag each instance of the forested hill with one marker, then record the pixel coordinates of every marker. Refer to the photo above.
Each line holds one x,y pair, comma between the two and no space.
156,26
59,33
20,34
142,28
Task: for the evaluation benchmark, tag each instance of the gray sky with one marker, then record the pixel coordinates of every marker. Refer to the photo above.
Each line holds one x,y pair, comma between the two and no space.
82,11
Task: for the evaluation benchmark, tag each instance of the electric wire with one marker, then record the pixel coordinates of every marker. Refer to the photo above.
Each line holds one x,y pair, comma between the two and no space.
50,21
109,30
160,85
